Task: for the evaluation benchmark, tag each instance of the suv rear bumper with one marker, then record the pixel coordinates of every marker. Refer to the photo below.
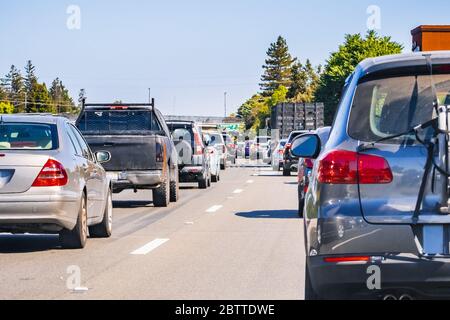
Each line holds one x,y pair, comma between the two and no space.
400,274
192,173
135,179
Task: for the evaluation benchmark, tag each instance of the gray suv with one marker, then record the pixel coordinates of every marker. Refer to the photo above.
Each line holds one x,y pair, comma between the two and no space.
377,221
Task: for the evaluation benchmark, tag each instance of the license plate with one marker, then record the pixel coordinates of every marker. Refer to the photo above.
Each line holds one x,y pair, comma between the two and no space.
122,176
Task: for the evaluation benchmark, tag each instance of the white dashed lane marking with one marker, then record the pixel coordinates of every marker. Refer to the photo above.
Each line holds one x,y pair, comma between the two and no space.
214,209
149,247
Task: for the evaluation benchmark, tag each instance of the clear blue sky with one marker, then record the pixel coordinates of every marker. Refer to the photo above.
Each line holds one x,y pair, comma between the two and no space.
188,52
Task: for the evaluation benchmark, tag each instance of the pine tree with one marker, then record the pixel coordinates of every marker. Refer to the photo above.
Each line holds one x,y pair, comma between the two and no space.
14,85
305,79
30,77
60,97
277,68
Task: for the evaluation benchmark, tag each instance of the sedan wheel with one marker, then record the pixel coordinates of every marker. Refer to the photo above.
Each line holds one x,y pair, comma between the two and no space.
76,238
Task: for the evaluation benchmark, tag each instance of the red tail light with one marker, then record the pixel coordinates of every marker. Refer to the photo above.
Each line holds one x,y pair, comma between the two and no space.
346,167
347,259
52,174
198,143
309,163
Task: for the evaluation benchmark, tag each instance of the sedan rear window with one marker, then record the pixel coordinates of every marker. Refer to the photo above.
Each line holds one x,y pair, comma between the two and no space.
118,122
28,136
390,106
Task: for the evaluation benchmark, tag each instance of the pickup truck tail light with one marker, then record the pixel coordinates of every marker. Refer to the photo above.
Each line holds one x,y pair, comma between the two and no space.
52,174
347,167
159,152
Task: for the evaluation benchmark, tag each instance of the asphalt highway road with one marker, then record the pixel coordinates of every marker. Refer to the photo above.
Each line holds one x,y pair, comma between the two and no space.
240,239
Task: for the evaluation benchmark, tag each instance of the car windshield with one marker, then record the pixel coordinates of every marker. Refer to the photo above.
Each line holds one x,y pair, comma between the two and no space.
390,106
118,122
28,136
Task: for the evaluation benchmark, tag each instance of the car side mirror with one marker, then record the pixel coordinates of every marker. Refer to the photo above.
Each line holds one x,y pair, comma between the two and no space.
306,146
103,156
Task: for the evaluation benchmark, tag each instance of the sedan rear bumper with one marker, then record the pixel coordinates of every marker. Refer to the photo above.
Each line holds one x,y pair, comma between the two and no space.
399,274
32,216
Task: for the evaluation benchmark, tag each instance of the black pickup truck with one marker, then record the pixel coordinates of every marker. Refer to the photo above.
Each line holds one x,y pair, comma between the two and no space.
143,155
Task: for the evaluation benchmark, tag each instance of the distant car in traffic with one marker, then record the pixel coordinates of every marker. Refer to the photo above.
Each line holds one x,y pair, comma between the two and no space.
231,148
214,158
290,162
217,141
51,182
277,155
193,157
143,155
305,166
259,148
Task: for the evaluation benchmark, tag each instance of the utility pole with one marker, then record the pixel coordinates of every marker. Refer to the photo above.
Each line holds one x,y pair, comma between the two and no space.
225,102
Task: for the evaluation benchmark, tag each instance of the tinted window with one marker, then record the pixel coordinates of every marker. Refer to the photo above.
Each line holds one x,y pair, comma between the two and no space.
86,152
28,136
390,106
74,140
118,122
216,139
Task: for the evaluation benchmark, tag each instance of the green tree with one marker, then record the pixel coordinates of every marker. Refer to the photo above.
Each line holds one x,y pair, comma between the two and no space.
30,77
249,110
14,85
6,107
277,68
343,62
41,101
60,97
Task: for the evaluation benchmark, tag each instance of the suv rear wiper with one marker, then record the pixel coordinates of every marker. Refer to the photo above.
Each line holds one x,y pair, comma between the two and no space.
369,145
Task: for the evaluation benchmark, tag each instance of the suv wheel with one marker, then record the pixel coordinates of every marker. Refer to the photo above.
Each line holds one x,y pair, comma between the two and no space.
104,229
161,195
202,183
175,189
76,238
286,172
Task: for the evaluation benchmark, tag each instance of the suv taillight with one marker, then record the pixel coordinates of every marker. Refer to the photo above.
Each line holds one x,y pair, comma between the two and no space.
198,143
309,163
347,167
52,174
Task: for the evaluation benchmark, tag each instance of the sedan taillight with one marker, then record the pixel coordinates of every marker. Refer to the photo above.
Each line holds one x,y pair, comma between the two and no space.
347,167
52,174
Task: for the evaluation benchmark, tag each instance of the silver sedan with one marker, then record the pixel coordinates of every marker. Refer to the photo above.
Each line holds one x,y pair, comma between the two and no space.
51,182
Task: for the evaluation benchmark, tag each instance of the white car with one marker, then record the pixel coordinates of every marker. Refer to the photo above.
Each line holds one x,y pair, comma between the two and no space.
51,182
214,158
277,155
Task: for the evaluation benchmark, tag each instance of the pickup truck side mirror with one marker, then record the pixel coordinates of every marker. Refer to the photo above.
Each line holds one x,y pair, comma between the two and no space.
306,146
103,156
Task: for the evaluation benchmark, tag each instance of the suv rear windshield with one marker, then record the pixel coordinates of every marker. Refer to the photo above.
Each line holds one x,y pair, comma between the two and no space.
388,106
114,122
28,136
181,131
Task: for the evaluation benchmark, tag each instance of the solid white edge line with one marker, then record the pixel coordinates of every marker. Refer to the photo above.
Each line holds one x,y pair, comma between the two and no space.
145,249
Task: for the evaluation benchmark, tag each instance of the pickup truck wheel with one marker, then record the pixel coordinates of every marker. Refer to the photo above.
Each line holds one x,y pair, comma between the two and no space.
104,229
76,238
161,195
174,189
